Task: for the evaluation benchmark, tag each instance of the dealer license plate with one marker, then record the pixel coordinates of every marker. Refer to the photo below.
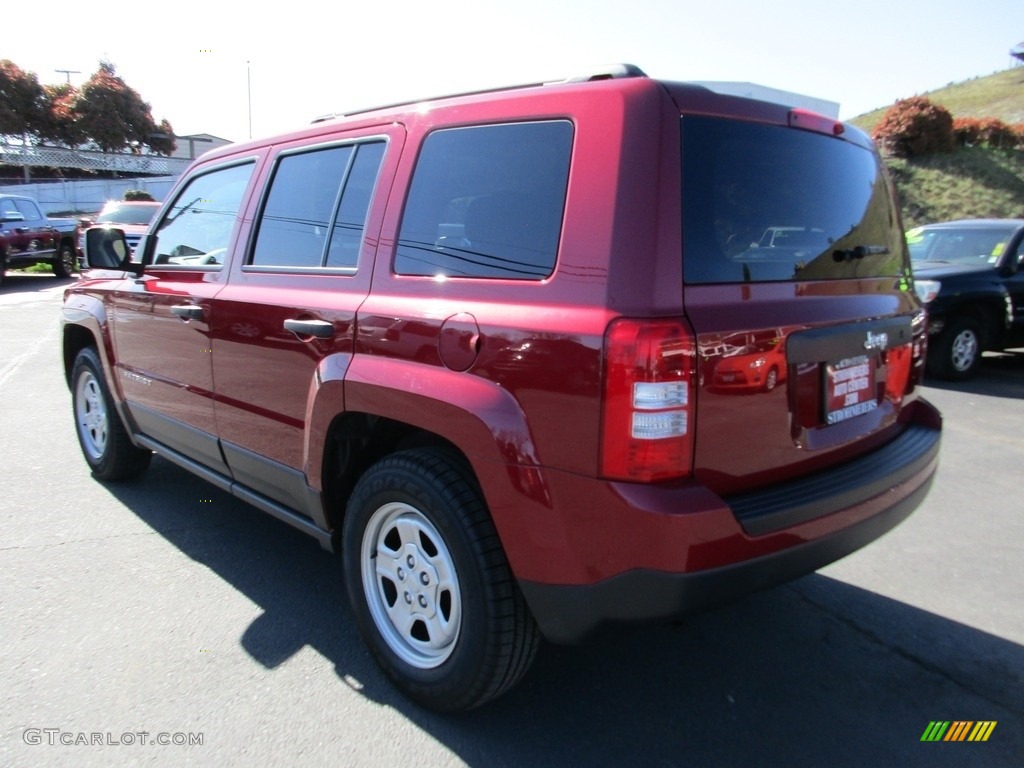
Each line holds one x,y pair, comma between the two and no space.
850,388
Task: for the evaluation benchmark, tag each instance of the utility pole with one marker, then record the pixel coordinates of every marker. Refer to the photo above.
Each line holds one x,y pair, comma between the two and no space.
69,73
248,80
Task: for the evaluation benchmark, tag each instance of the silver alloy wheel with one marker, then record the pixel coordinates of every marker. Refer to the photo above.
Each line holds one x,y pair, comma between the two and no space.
411,585
964,349
91,415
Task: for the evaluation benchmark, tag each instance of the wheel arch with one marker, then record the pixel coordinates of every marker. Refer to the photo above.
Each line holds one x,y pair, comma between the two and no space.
356,441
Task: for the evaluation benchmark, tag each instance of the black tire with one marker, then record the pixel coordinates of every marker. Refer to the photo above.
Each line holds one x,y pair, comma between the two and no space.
470,638
955,353
104,441
64,262
3,267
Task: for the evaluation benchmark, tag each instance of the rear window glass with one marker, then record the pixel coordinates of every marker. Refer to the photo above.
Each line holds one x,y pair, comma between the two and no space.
766,203
139,215
487,201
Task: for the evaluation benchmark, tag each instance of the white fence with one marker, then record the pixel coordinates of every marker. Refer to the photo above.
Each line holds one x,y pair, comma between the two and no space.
86,196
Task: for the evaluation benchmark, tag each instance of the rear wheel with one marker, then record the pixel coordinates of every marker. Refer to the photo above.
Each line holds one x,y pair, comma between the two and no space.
433,595
104,441
64,263
956,352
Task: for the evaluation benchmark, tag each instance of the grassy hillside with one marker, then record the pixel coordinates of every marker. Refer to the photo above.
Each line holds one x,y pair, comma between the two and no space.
1000,95
970,182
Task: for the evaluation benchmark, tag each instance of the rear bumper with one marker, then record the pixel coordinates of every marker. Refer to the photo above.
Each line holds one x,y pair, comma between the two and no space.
769,538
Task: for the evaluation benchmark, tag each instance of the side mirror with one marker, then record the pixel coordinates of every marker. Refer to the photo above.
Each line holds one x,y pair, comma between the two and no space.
105,249
10,218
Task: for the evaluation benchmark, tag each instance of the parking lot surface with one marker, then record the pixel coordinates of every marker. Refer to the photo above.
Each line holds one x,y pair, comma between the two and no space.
164,610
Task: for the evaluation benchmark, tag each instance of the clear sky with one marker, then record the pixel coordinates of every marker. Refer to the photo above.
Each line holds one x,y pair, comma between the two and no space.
210,66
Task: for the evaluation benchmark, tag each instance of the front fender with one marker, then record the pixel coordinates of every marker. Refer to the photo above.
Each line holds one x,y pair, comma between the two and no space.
84,313
84,322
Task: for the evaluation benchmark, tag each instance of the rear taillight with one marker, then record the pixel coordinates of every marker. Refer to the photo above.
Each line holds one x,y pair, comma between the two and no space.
649,400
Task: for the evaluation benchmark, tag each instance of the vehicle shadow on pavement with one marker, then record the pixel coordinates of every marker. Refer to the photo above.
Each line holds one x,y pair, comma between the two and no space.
817,672
27,282
1000,375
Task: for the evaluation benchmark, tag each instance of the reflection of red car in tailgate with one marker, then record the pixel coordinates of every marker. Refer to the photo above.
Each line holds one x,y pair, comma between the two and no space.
758,362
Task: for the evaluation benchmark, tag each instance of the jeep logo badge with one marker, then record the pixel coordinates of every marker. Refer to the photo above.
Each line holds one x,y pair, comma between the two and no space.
876,340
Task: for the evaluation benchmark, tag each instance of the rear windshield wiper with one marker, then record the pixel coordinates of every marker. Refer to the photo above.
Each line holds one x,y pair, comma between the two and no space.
859,252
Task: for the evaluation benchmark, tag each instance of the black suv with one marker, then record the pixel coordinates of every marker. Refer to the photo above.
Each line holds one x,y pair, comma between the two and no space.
971,275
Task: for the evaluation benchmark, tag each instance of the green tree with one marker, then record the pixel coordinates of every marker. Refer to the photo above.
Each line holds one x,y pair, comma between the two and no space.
20,101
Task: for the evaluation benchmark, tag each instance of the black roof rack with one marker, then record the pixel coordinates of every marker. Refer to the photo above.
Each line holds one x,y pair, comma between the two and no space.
605,72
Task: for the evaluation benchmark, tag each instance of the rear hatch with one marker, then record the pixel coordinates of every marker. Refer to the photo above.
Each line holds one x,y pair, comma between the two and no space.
798,287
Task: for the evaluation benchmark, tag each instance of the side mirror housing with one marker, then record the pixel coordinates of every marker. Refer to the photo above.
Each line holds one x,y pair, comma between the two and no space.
105,248
11,218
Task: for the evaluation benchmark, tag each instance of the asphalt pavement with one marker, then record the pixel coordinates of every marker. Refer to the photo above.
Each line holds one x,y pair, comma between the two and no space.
163,622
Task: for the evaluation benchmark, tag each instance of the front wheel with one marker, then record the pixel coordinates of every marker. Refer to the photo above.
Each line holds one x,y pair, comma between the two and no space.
105,444
432,592
955,353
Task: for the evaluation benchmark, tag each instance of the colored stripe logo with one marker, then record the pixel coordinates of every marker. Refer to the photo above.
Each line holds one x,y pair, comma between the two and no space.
958,730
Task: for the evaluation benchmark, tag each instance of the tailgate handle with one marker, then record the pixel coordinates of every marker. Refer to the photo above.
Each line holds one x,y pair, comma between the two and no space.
319,328
188,311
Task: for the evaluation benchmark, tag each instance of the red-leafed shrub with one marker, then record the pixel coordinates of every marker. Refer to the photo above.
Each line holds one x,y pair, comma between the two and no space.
996,133
914,127
967,131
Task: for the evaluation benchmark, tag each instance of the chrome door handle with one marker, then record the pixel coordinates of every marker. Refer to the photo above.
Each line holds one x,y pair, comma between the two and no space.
188,311
319,328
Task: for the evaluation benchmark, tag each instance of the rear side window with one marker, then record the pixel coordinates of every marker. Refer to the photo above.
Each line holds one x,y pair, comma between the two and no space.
487,201
316,208
769,203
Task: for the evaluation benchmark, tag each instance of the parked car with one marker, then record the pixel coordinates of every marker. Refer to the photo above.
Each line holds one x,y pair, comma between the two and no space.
971,274
29,237
464,343
752,362
131,216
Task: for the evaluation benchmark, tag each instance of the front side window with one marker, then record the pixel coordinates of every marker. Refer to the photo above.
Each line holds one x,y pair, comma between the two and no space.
316,208
29,210
197,229
765,203
487,201
8,210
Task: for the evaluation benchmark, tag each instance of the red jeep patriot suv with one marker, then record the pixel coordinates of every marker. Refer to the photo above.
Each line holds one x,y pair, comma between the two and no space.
532,360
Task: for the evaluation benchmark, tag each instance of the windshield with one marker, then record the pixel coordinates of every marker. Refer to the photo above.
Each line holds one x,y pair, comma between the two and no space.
127,214
770,203
961,245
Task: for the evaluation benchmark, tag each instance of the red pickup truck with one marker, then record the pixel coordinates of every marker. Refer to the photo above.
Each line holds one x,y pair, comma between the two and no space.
28,237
